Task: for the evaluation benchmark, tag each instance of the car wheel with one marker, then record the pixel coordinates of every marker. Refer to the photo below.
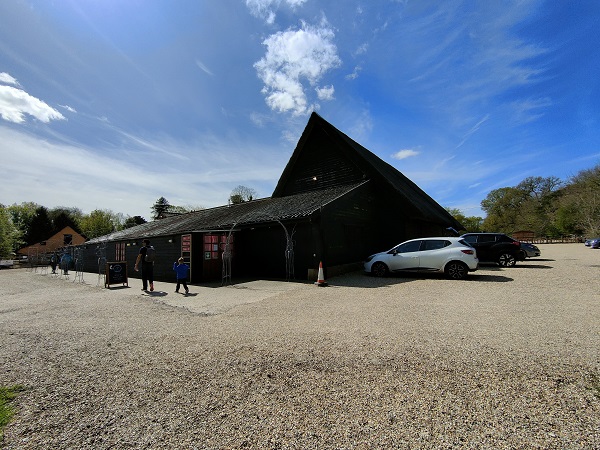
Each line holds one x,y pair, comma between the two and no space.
507,260
379,269
456,270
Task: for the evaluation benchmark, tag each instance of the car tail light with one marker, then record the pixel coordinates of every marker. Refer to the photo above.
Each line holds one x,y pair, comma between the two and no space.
468,252
517,243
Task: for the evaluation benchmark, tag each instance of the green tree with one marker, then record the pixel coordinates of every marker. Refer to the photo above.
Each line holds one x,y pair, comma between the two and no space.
160,207
40,227
581,198
502,207
567,220
22,215
99,223
133,221
470,224
241,194
538,208
183,209
8,233
65,217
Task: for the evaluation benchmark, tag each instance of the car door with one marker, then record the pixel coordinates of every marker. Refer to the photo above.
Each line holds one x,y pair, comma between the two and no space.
432,256
405,256
483,245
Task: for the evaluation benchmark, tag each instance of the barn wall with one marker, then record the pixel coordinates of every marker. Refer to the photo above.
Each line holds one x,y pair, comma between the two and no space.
321,165
166,253
260,251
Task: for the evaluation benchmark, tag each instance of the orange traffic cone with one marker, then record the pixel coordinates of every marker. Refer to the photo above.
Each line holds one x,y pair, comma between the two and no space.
321,277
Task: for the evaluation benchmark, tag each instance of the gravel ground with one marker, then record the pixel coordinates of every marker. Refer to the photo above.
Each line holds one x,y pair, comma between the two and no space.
509,358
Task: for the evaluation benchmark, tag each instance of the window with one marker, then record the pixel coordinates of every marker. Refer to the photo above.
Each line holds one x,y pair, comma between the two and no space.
120,251
214,245
409,247
434,244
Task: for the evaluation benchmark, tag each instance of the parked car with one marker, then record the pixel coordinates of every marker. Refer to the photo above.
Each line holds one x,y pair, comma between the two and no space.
595,243
450,255
530,250
495,248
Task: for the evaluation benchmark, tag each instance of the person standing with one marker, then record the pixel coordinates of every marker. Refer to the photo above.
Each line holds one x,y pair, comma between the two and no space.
54,262
65,262
181,269
146,258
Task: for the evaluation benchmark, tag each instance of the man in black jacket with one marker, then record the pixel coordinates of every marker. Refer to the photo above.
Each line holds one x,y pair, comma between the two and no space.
147,265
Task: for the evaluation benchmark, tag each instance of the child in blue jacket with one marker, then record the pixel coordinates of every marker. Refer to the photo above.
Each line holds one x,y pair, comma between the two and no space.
181,269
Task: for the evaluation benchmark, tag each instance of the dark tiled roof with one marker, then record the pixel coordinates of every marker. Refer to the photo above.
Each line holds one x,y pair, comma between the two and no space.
264,210
377,170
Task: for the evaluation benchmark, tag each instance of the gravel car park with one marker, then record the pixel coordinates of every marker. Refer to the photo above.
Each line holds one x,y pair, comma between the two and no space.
507,359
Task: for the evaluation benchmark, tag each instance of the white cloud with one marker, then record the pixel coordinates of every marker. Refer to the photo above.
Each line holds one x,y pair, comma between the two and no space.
361,49
325,93
406,153
530,109
473,130
68,108
354,74
104,178
265,9
14,103
7,79
204,68
362,127
293,56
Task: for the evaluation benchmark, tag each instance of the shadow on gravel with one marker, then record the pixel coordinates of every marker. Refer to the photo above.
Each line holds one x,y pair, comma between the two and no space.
155,294
520,265
361,280
480,277
533,266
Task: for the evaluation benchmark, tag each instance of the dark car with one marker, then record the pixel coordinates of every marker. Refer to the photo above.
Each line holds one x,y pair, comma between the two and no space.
495,248
530,250
595,243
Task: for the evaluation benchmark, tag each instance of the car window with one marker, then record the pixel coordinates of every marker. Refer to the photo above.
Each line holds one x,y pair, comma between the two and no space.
434,244
471,238
465,242
409,247
487,238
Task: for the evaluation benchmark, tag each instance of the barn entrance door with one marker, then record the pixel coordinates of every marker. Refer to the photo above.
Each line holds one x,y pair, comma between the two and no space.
212,260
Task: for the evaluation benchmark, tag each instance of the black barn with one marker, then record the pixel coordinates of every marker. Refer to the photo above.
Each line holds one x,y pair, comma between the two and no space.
335,203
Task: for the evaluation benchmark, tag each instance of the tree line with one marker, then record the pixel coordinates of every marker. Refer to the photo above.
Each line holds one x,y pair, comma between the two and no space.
28,223
549,207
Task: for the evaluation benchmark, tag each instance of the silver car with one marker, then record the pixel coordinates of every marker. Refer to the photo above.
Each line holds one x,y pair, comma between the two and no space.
530,250
450,255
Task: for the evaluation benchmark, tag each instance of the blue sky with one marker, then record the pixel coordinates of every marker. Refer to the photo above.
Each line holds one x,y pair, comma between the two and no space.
112,104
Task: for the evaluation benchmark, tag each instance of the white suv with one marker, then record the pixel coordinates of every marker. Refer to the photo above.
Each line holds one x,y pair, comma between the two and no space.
450,255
